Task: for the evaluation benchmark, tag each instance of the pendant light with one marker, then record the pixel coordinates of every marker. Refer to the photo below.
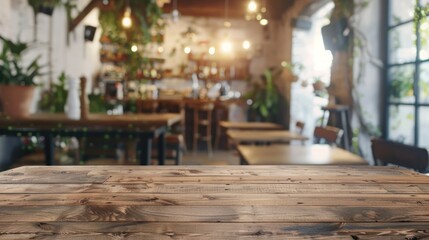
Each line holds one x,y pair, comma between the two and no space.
175,14
127,22
226,45
264,19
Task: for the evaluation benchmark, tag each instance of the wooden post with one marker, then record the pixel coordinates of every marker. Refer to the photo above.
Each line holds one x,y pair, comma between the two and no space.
83,99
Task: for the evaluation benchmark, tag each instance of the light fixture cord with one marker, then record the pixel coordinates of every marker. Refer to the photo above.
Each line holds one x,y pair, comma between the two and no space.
226,10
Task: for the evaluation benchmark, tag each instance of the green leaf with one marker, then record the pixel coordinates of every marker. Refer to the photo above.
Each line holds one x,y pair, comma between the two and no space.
264,111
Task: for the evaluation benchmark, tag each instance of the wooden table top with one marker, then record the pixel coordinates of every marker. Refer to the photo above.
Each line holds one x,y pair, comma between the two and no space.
250,125
127,121
297,154
213,202
264,136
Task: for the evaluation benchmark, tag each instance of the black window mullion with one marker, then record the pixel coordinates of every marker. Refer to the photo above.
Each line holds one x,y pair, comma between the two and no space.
416,82
386,85
416,77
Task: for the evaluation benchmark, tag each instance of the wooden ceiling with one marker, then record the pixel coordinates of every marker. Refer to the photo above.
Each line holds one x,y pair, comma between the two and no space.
216,8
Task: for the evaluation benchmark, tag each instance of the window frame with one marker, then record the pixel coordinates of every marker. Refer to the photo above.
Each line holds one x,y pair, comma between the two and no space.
388,102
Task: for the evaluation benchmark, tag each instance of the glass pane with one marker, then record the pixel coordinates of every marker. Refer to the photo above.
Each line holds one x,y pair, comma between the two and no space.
402,44
402,10
424,38
401,83
401,124
424,82
424,127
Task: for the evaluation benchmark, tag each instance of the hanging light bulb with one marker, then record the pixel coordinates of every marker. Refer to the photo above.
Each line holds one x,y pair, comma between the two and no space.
246,44
134,48
252,6
212,50
264,22
175,14
160,49
127,22
187,50
226,46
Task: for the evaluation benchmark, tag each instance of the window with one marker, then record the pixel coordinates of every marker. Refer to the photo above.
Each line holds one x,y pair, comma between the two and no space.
408,72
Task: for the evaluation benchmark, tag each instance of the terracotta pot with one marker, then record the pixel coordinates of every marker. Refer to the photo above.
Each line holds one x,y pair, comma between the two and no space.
16,100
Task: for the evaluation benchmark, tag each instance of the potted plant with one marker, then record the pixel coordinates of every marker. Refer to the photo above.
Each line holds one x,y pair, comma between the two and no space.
55,99
16,79
265,99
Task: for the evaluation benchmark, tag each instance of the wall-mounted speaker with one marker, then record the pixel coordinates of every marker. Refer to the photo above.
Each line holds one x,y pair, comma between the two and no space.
336,35
302,23
89,33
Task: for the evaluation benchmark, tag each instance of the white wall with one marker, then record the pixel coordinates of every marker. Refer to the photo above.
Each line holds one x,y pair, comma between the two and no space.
369,22
76,59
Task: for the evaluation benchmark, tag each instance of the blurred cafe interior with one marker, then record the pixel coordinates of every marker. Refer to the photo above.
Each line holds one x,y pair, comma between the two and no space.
354,70
214,119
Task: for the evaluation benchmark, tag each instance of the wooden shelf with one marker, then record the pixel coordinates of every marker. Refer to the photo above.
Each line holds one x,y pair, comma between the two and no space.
233,69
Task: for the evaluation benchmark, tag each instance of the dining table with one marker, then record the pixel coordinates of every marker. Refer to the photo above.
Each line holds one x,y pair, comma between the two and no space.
144,127
229,125
264,136
213,202
282,154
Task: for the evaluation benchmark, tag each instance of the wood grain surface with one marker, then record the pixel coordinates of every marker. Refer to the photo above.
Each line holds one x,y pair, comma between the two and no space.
316,154
213,202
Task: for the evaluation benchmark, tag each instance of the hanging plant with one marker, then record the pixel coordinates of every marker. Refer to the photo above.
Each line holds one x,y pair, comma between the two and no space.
42,6
145,16
147,26
421,14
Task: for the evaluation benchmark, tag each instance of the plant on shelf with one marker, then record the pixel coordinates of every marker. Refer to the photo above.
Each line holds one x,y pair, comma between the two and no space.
55,99
294,69
17,80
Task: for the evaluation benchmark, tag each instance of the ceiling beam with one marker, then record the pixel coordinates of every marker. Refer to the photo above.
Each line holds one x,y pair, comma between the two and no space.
88,8
216,8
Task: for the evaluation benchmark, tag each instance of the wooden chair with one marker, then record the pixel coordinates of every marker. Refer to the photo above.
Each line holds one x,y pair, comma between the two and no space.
300,127
203,118
146,106
175,144
329,135
389,152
